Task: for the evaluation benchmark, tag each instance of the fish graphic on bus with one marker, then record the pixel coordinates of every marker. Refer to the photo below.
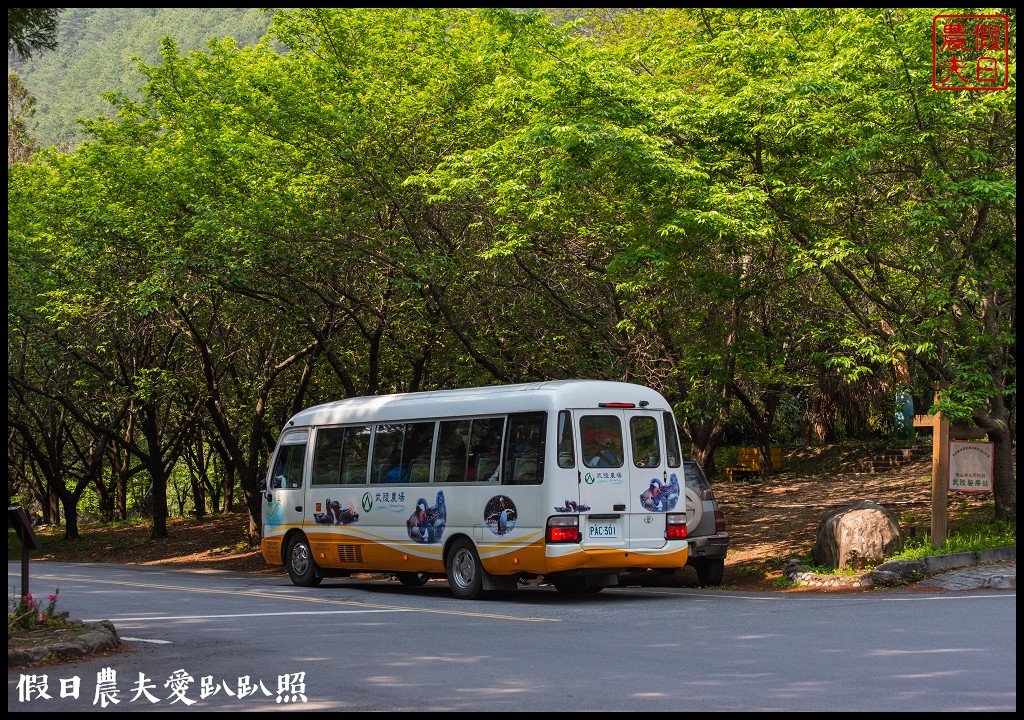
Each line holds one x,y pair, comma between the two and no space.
426,524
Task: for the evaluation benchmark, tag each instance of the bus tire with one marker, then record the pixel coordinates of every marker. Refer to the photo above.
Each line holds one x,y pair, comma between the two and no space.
302,568
465,573
411,579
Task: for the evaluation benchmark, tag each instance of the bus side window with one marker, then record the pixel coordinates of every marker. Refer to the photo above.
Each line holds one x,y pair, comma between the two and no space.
355,454
524,449
566,450
672,451
452,449
327,456
419,443
387,454
485,443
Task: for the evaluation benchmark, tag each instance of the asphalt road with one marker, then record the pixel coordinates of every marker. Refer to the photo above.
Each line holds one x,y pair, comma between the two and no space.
210,641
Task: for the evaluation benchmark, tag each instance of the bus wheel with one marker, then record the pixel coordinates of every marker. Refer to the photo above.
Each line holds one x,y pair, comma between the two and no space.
302,568
576,586
465,573
410,579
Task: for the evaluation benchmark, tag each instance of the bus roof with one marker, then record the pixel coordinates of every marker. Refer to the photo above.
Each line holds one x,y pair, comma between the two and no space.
496,399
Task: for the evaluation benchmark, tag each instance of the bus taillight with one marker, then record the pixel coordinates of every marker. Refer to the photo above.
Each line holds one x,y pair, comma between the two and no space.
675,526
565,529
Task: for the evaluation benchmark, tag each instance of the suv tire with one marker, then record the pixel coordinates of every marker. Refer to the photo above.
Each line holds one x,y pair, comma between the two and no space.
710,571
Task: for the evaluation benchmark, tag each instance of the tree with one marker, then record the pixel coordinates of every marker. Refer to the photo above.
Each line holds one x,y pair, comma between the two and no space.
20,109
903,203
31,29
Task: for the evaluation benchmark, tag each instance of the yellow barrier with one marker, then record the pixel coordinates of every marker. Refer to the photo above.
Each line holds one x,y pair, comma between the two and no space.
749,462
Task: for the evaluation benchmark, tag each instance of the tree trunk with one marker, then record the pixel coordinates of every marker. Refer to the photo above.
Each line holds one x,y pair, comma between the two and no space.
996,420
53,506
69,501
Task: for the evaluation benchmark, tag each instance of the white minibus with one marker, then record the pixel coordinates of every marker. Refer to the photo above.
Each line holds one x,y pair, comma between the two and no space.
569,481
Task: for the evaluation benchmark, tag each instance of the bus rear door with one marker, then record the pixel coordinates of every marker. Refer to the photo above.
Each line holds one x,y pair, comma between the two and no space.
614,477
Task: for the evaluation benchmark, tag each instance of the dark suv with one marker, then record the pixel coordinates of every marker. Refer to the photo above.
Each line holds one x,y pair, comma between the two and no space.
705,527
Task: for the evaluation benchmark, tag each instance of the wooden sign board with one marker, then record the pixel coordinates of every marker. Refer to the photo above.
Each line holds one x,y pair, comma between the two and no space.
942,455
971,466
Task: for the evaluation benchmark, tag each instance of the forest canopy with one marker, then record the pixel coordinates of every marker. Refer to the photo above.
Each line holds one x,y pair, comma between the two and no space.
770,216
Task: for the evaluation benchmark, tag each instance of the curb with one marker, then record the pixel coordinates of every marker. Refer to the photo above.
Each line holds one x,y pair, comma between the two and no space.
101,636
938,563
903,572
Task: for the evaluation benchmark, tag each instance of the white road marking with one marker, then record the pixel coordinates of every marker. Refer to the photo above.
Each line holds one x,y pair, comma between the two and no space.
246,615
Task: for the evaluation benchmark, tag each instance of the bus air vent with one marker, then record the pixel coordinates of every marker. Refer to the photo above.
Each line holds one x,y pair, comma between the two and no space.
350,553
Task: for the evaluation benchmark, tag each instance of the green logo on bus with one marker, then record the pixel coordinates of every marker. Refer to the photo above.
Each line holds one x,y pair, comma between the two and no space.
588,479
367,502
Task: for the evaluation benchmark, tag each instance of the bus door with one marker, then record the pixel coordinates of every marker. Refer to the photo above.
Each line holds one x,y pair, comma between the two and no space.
621,458
283,500
654,462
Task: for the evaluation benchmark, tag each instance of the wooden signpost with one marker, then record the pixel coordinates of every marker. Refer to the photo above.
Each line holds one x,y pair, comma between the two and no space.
941,435
17,518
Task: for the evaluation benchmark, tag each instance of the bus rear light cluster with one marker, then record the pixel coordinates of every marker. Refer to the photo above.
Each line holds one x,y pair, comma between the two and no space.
675,526
564,529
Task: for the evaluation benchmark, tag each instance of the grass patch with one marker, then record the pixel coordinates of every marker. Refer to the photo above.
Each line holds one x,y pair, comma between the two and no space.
969,536
242,546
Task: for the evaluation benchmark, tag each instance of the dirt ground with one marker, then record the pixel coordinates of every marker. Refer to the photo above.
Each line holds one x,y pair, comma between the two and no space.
769,521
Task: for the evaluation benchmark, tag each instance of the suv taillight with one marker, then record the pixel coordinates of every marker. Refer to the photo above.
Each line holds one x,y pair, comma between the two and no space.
719,521
675,526
563,529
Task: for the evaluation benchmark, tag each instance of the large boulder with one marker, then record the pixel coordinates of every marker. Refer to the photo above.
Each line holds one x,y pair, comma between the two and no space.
856,536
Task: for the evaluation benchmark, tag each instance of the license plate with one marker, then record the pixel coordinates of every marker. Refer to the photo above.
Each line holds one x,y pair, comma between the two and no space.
603,530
